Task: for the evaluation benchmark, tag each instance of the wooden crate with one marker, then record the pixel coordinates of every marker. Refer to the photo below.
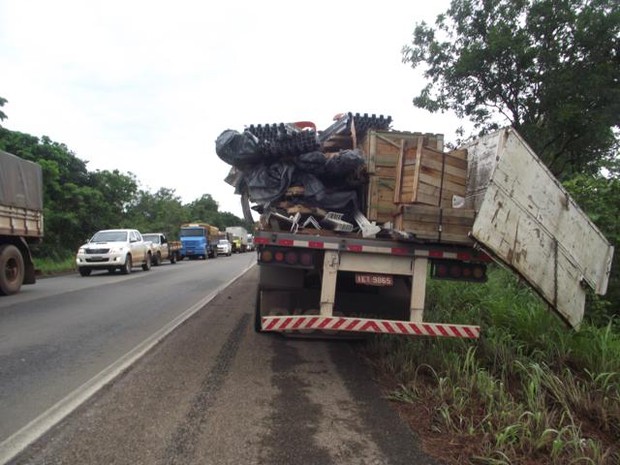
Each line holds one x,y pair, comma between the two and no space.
436,224
384,152
432,177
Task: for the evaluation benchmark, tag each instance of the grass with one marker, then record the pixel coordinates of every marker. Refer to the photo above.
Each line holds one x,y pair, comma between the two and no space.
48,266
530,390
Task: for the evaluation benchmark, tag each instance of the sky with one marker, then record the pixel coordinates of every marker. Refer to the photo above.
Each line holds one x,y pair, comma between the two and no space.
146,87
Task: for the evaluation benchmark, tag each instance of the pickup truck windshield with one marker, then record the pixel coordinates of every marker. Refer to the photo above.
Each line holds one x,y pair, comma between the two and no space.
154,238
110,236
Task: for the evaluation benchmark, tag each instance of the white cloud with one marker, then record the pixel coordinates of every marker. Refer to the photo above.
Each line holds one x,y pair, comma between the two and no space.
147,86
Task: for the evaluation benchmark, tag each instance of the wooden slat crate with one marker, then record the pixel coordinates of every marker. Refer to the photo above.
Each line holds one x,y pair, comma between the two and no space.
432,177
436,224
385,152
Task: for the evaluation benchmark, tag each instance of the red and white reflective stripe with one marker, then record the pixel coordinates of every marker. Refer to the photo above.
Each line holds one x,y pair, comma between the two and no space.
367,325
318,244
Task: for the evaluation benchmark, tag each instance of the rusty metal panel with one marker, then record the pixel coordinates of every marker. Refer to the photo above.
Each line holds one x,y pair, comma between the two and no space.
530,223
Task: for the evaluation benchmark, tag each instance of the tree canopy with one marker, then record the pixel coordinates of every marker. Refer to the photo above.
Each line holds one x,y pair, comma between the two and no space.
2,114
549,68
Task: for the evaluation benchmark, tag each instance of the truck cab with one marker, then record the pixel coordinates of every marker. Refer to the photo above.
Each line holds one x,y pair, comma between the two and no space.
198,240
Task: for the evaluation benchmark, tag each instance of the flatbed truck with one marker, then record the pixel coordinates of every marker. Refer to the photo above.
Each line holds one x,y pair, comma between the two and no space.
339,283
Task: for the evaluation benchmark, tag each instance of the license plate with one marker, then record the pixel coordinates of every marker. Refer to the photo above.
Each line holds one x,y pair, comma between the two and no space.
374,279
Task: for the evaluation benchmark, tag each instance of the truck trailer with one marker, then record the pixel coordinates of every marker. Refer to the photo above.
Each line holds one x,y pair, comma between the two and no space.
239,238
21,220
419,213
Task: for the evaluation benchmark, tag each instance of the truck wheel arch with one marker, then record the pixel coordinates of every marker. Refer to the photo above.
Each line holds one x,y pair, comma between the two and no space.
126,268
12,269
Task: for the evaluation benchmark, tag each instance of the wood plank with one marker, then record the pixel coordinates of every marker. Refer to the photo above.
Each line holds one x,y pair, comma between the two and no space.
448,186
416,175
399,170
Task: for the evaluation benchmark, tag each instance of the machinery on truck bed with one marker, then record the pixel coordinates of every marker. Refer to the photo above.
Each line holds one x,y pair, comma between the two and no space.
21,220
347,245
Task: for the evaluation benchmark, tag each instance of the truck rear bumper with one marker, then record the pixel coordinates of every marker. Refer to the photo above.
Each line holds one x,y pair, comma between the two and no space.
290,323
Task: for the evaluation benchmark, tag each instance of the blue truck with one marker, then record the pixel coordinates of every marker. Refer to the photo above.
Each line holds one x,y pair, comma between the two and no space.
198,240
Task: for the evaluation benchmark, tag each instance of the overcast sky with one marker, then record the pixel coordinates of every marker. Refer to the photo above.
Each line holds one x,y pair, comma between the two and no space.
147,86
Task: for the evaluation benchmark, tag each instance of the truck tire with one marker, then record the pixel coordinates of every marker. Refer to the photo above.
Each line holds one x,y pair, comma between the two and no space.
126,268
257,316
157,259
84,271
146,266
11,269
173,258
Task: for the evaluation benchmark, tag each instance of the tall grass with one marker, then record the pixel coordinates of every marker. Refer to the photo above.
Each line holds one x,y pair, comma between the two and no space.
50,266
529,389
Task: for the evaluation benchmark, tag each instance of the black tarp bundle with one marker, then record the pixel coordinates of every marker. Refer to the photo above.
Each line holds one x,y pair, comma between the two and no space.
325,180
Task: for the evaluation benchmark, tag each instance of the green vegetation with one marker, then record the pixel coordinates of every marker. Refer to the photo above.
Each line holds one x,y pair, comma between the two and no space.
49,266
528,389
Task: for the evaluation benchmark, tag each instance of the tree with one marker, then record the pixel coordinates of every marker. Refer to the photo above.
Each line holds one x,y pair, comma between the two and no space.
2,114
118,195
549,68
158,212
204,209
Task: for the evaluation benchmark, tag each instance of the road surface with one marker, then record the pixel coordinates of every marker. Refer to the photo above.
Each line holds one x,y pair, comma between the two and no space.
214,392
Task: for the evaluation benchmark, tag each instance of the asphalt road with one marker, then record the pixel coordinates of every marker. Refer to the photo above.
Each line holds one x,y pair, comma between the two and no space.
60,332
212,391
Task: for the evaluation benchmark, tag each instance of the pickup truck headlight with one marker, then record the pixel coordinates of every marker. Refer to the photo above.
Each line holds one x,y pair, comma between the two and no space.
117,250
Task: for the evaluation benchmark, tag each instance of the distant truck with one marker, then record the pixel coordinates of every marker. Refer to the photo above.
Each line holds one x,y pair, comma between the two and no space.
198,240
21,220
251,247
239,238
163,249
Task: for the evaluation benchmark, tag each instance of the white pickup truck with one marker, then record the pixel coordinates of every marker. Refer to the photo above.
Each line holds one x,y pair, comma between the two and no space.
113,249
163,249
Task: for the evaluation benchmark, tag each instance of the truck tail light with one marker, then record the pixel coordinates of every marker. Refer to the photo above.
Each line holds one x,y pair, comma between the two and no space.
286,257
457,270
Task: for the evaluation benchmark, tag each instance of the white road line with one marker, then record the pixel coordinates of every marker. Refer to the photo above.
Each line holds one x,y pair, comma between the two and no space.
18,441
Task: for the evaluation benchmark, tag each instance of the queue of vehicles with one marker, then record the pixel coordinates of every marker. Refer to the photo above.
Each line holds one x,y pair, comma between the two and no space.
21,229
124,249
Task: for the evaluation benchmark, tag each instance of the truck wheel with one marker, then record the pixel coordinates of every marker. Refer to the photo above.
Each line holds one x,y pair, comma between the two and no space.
257,316
11,269
84,271
157,260
146,266
173,258
126,268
